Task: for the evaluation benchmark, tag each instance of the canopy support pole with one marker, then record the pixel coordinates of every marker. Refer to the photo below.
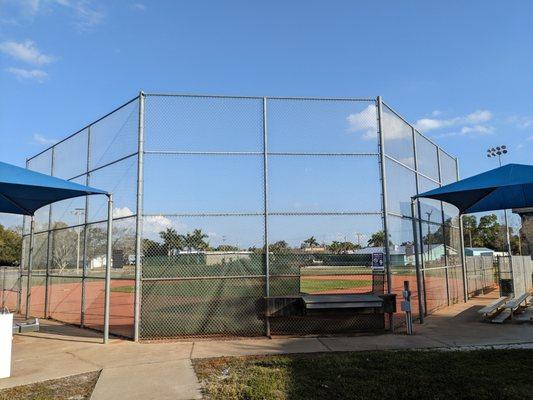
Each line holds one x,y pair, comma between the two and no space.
30,267
417,264
463,259
108,266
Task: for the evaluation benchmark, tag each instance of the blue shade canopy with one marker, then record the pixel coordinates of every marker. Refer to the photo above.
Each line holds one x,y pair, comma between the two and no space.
23,191
510,186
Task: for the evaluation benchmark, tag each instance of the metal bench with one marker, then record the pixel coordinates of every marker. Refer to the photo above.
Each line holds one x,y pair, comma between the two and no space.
333,302
491,308
314,304
501,317
31,325
515,303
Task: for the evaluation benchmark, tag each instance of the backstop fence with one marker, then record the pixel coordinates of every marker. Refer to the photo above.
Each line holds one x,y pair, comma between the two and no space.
223,200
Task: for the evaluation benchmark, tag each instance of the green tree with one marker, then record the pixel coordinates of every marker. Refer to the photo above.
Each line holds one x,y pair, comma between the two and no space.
469,229
311,242
152,248
172,241
196,241
342,247
377,239
280,246
489,233
10,246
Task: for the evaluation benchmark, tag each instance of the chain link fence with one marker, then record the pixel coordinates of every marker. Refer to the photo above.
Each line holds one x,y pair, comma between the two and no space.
221,201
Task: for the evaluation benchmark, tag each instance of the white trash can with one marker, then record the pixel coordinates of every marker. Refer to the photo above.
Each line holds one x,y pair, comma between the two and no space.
6,339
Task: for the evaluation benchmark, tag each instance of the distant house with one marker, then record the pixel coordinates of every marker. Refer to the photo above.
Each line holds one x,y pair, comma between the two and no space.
478,251
404,255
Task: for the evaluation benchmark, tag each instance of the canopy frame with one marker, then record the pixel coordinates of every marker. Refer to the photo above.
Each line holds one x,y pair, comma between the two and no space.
23,191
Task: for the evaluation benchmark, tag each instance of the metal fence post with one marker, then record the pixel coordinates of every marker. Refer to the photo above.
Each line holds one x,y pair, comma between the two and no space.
50,248
384,199
415,239
462,241
265,196
139,218
85,240
443,225
22,261
30,266
108,266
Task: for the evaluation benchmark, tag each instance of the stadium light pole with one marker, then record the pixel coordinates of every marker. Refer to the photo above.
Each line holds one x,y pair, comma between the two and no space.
494,152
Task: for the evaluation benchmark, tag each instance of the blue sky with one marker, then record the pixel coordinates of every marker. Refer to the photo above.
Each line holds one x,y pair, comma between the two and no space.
460,70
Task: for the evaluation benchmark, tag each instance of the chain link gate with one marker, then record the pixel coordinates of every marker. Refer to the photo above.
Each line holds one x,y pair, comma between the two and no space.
205,185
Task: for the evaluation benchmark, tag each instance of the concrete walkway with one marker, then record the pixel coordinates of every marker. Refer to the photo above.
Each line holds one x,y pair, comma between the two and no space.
164,370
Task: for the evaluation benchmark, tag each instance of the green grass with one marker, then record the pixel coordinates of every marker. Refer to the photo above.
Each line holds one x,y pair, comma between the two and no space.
483,374
77,387
123,289
307,285
320,285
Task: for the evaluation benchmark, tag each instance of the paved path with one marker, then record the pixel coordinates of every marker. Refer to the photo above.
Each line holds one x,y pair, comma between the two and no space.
164,370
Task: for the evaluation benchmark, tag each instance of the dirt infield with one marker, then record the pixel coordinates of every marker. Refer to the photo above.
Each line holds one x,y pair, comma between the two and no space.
65,297
64,304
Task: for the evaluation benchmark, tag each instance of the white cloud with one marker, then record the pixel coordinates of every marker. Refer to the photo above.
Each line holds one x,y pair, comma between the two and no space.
87,15
427,124
479,129
42,140
436,113
476,130
28,74
16,12
520,122
364,121
477,117
120,212
25,51
139,6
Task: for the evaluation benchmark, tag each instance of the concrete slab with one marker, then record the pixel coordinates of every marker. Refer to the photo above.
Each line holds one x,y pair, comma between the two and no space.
60,350
173,380
246,347
130,353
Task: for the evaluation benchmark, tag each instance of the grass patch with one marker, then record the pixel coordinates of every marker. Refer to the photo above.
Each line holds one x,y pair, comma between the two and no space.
482,374
320,285
123,289
77,387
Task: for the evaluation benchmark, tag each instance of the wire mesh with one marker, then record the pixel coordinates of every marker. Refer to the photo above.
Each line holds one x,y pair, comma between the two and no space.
242,198
10,285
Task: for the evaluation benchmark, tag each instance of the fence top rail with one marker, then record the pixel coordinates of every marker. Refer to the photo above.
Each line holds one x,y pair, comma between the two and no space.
415,130
82,129
222,96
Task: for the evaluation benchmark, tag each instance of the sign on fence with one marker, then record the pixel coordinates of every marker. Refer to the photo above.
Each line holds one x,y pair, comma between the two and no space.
378,262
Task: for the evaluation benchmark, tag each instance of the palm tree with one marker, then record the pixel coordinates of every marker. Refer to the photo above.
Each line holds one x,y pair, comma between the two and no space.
196,240
172,240
311,242
377,239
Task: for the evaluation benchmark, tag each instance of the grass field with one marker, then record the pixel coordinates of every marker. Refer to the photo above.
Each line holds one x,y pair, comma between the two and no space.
308,285
483,374
318,285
